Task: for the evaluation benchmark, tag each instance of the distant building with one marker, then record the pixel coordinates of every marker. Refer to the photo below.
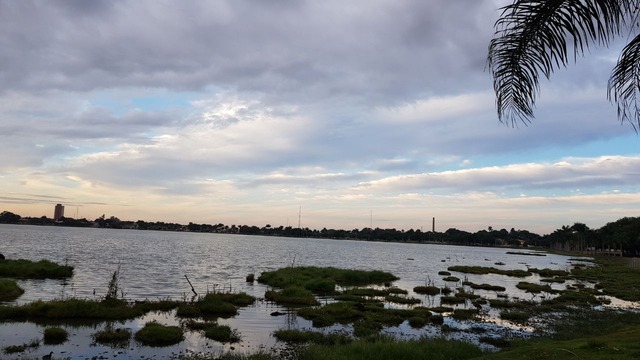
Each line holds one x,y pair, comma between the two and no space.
59,212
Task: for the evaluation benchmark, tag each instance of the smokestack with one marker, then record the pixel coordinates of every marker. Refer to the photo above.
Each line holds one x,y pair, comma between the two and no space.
433,224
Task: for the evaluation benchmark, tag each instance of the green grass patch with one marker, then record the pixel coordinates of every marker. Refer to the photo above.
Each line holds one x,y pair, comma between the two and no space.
12,349
575,298
155,334
27,269
535,288
402,300
319,279
614,276
383,348
452,300
55,335
9,290
70,309
549,272
620,344
427,290
465,314
221,333
238,299
515,316
482,270
306,336
484,286
215,305
292,295
118,337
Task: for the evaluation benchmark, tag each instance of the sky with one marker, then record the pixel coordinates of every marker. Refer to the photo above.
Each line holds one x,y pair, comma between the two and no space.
336,114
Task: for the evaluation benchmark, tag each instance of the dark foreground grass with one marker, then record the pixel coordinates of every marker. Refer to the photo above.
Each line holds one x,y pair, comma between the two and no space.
385,348
27,269
9,290
583,334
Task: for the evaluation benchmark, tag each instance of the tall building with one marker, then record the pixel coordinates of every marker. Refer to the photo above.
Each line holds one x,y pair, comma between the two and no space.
58,212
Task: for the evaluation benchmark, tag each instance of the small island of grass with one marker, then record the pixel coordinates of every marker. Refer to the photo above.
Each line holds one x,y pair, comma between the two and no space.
27,269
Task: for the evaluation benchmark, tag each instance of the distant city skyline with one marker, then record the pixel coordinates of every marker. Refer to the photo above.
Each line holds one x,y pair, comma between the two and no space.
359,113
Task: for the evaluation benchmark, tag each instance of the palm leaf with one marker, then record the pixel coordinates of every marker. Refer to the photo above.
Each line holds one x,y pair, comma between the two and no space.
536,37
624,84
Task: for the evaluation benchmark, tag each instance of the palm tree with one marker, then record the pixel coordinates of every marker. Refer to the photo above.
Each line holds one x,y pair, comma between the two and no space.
536,37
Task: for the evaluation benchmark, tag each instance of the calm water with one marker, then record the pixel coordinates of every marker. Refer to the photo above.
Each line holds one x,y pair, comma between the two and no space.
154,264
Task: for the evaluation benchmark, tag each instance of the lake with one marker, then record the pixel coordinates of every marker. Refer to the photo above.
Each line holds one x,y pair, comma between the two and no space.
153,265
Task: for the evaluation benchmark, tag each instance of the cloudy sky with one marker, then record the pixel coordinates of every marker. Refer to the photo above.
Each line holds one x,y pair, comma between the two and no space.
349,113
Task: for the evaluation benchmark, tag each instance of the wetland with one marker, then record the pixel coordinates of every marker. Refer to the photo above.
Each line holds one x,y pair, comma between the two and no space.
190,293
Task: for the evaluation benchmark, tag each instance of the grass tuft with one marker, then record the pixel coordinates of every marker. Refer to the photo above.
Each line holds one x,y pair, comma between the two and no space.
155,334
55,335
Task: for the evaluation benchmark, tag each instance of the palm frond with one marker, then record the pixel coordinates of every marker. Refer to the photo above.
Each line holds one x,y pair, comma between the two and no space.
624,84
536,37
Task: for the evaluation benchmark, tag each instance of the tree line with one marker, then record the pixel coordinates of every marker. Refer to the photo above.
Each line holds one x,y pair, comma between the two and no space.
621,237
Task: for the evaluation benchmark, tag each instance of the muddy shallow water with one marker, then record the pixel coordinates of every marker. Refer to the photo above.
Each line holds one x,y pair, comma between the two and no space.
154,264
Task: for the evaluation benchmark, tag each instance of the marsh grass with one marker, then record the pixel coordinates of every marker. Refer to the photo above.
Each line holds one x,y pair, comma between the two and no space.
402,300
384,348
9,290
519,317
585,334
465,314
451,279
549,272
482,270
452,300
221,333
55,335
27,269
155,334
614,276
12,349
118,337
306,336
70,309
427,290
487,287
292,295
367,318
217,304
576,298
535,288
322,280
